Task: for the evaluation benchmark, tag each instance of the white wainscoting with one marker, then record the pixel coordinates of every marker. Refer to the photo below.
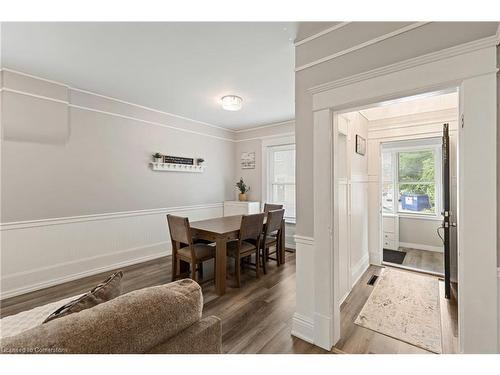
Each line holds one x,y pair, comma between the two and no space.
303,319
40,253
359,269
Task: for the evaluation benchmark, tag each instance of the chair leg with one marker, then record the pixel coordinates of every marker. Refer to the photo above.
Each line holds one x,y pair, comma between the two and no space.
257,263
264,261
193,271
200,270
237,267
174,267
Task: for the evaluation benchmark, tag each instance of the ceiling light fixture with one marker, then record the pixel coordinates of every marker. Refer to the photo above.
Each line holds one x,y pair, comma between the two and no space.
231,102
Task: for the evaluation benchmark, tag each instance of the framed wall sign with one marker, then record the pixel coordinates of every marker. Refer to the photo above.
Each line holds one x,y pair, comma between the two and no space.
360,145
177,160
247,160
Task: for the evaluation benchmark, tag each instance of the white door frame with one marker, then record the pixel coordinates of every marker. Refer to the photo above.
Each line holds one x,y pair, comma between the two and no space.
474,71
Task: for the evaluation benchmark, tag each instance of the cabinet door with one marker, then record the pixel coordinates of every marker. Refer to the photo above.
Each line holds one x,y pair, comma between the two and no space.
234,209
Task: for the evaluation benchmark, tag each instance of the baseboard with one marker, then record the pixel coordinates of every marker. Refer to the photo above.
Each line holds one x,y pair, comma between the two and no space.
359,269
437,249
303,327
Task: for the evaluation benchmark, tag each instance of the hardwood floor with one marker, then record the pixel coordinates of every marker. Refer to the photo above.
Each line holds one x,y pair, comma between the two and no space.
257,317
424,260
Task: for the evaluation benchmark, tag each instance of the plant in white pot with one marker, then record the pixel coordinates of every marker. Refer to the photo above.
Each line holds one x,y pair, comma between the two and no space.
243,188
157,157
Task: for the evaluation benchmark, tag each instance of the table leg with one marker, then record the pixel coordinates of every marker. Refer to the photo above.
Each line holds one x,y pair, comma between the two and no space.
282,243
220,266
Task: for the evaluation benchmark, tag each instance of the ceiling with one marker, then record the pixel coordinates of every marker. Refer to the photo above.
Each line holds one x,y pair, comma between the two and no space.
412,105
176,67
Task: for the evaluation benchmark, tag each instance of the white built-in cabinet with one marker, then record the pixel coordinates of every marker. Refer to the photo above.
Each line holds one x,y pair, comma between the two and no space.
232,208
390,236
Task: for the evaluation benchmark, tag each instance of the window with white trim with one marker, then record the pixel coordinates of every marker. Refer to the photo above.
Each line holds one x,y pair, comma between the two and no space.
411,177
281,177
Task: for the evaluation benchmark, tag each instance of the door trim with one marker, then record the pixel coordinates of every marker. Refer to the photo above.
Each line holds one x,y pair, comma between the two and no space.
478,309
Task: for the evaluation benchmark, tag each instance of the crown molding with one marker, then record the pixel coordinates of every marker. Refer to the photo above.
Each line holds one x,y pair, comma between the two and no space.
115,99
272,125
356,47
321,33
460,49
288,134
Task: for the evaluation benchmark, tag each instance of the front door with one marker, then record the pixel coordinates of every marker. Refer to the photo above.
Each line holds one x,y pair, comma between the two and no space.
446,208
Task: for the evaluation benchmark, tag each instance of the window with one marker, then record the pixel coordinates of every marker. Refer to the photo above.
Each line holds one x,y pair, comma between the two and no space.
411,177
417,182
281,177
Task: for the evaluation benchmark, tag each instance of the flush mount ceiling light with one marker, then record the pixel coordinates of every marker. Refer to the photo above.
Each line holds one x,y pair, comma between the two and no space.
231,102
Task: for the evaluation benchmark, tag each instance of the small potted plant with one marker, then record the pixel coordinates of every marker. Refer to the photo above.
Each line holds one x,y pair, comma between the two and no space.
243,188
157,157
199,161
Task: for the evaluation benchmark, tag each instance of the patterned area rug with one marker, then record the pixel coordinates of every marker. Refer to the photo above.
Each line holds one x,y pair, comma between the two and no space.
405,306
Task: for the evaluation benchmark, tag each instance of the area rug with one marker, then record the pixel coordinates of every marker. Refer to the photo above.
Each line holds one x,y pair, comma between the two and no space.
405,306
394,256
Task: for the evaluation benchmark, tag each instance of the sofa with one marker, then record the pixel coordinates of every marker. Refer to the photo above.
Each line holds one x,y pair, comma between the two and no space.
159,319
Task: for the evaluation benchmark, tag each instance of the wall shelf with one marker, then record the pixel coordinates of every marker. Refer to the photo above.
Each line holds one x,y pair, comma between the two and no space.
168,167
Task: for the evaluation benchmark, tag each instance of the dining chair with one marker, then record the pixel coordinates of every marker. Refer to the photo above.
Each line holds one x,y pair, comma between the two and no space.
271,207
271,236
247,244
184,249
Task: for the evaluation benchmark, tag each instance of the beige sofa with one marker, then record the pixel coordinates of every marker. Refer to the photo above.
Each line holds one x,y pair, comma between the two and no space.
159,319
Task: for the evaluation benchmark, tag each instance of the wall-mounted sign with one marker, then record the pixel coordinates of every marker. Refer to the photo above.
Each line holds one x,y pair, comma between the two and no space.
177,160
247,160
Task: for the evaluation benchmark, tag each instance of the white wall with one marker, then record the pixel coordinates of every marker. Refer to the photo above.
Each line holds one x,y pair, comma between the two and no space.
78,195
251,140
420,233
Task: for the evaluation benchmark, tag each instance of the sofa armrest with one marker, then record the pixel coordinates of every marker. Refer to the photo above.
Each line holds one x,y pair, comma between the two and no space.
203,337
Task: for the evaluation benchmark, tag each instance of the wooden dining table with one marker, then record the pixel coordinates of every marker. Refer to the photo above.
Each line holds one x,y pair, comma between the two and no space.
221,230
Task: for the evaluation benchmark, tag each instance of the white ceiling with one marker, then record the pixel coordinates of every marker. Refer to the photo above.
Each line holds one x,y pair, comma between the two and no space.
411,105
180,68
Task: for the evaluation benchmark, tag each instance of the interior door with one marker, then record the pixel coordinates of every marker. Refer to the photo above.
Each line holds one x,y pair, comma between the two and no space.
446,209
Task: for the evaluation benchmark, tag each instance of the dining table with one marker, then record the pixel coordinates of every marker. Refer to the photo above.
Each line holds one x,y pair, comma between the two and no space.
221,230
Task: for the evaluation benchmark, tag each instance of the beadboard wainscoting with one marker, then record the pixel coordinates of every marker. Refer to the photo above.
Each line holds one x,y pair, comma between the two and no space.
303,319
40,253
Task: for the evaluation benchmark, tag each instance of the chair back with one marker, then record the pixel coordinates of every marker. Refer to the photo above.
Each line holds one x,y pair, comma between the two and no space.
179,228
272,207
274,219
251,226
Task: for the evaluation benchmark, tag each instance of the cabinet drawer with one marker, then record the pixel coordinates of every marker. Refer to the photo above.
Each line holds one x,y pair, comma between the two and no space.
389,236
390,244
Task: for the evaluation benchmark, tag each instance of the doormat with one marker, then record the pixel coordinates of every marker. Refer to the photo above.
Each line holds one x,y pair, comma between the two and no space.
394,256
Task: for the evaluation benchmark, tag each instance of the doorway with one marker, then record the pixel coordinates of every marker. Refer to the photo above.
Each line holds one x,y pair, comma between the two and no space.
390,199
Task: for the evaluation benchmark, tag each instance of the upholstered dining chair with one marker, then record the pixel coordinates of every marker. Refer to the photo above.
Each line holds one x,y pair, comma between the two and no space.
271,236
247,244
271,207
185,250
